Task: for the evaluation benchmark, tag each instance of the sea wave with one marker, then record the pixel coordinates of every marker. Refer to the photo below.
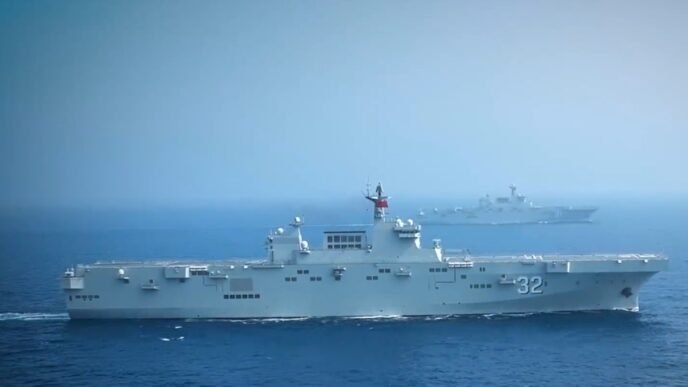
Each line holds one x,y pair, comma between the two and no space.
250,320
14,316
377,317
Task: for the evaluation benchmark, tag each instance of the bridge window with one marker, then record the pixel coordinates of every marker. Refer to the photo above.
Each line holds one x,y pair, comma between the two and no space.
345,240
199,271
241,296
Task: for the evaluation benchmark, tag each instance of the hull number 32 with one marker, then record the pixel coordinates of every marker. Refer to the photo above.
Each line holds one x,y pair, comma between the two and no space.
532,285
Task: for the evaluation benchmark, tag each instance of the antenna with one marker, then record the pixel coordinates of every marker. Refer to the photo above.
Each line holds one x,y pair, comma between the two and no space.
379,200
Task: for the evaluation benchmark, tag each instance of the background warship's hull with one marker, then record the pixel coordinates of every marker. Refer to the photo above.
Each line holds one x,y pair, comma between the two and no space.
383,271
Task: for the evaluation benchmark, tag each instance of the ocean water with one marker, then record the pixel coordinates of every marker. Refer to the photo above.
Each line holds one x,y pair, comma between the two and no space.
39,345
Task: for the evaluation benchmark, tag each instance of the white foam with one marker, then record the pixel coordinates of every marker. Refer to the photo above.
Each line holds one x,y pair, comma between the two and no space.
278,320
634,309
438,318
490,316
376,317
12,316
249,320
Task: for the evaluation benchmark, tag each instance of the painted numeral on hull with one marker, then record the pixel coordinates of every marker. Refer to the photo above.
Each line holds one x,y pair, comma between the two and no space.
532,285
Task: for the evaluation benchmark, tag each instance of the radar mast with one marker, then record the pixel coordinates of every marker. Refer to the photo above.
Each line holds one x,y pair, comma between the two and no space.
513,190
379,201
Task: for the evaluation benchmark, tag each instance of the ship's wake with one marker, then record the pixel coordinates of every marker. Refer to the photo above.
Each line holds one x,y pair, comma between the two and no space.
377,317
37,316
380,318
13,316
269,320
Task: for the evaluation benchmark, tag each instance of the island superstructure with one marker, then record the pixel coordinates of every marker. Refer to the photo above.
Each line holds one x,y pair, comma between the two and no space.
379,271
514,209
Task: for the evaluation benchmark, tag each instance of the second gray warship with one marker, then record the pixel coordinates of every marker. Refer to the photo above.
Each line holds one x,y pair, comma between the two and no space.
514,209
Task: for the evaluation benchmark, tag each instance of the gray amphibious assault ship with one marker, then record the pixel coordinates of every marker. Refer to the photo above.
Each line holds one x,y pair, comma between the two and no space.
383,271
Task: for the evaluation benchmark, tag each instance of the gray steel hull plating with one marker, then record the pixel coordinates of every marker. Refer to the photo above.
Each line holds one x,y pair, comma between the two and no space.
455,291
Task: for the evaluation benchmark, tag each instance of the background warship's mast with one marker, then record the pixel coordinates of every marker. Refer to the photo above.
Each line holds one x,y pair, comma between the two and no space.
380,202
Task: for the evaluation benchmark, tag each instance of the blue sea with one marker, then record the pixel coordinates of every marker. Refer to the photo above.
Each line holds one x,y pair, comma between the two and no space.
39,345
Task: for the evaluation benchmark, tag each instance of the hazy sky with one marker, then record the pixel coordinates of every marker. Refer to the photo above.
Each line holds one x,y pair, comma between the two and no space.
163,102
